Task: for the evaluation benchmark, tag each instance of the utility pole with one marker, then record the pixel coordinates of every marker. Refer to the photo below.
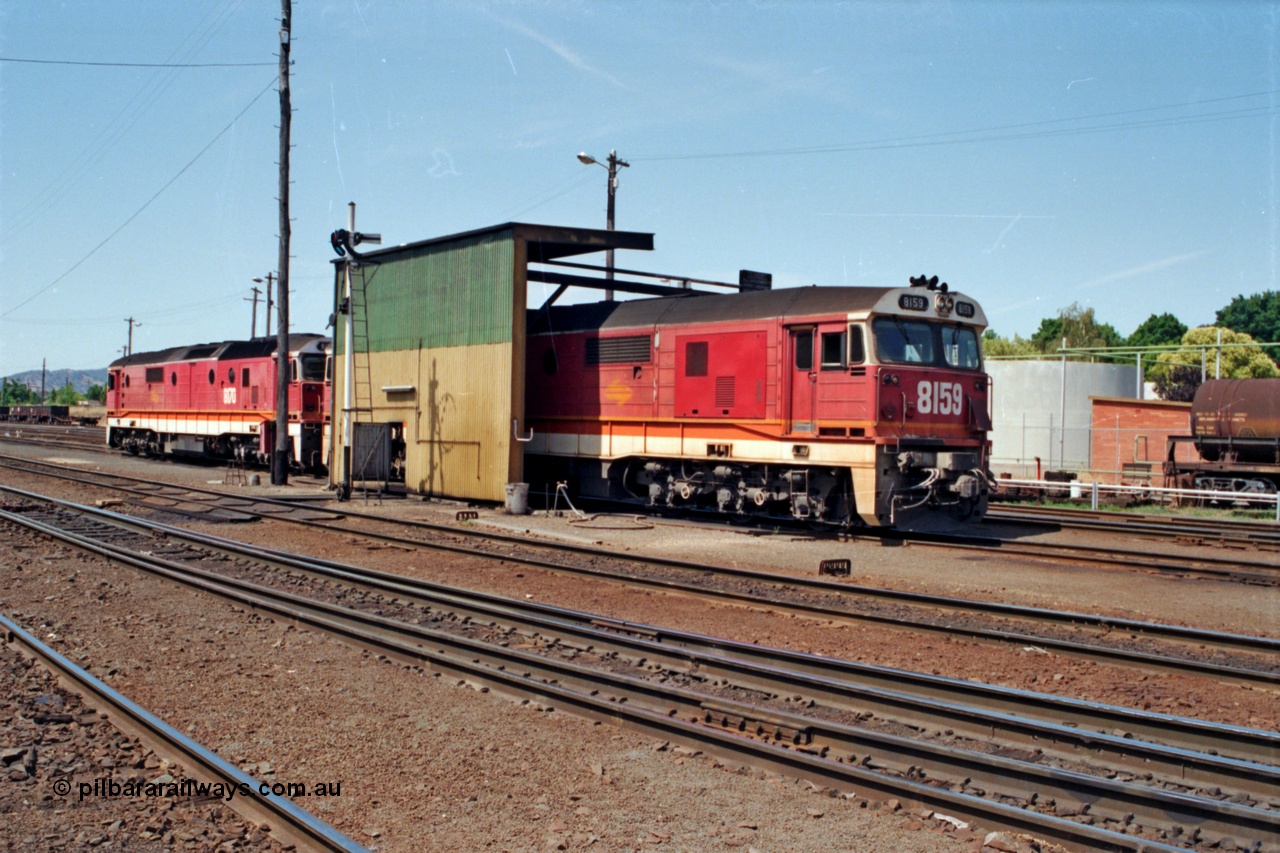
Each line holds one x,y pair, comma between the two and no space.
284,444
253,327
132,322
1217,372
614,163
271,277
43,365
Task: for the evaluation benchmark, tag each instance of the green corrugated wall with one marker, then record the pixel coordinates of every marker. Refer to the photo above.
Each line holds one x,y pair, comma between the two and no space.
458,294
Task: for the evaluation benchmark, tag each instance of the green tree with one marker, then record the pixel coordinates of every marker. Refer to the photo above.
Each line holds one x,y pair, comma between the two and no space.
13,392
1079,327
1176,382
1257,315
66,396
994,346
1157,330
1048,338
1200,347
97,393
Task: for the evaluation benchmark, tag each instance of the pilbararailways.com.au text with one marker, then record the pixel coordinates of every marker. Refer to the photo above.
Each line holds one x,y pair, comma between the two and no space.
111,787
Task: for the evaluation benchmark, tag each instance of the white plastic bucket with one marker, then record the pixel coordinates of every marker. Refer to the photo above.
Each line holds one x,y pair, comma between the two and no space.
518,498
1077,490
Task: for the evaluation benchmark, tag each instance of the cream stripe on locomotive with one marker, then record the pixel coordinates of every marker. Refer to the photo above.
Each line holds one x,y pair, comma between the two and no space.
200,425
617,446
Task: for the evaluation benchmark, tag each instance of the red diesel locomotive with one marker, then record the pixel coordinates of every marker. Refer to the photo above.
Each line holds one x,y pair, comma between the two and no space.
217,400
837,405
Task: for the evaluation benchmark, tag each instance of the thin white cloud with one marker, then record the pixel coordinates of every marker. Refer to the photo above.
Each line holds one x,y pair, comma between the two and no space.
559,50
1142,269
1003,234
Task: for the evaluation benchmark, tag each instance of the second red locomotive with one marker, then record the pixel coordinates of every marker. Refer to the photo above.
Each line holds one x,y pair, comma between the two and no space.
217,400
837,405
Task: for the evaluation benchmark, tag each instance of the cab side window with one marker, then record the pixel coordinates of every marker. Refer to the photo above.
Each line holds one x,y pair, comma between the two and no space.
857,349
832,350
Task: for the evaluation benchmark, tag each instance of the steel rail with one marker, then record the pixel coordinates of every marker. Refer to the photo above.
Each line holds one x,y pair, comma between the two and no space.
544,679
1245,533
1269,573
1232,568
288,823
1148,661
1263,572
1210,523
49,442
1176,748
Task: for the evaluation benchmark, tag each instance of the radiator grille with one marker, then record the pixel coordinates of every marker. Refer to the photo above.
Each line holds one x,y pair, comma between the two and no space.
633,348
724,392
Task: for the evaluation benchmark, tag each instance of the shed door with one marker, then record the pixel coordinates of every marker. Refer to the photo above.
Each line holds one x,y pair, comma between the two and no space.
804,379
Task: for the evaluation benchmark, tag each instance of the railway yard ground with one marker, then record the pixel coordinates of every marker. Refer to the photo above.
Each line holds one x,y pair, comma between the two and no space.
440,763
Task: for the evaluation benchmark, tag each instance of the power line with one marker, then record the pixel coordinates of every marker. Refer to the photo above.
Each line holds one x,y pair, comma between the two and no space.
137,64
144,315
115,130
548,194
1023,130
145,205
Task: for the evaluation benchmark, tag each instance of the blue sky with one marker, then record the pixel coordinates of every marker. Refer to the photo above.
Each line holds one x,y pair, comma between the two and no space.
1120,155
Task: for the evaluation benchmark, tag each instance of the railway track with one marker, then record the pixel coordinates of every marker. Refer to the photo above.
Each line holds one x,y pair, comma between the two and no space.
1235,568
1192,531
834,723
46,435
289,823
1147,646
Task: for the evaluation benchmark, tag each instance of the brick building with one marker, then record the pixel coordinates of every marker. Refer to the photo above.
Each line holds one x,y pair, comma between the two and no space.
1128,438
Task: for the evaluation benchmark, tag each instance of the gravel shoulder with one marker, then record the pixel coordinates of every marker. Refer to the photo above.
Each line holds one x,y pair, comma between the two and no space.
426,764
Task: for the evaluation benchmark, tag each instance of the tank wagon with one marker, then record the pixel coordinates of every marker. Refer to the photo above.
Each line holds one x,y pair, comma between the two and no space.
835,405
217,400
1235,427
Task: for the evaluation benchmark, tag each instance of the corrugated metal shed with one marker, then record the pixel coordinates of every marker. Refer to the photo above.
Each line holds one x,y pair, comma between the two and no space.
439,347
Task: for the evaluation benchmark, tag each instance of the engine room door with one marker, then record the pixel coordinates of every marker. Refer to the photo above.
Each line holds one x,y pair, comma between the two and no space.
804,380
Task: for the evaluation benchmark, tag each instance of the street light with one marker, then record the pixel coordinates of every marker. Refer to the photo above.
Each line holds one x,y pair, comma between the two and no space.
613,161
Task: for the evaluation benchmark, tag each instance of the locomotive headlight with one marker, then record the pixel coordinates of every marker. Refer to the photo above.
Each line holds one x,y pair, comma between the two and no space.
979,384
889,379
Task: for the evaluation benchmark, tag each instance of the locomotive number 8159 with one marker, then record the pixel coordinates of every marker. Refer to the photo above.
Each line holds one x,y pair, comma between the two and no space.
834,405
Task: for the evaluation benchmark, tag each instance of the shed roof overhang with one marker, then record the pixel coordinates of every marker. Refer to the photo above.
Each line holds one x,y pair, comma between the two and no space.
543,242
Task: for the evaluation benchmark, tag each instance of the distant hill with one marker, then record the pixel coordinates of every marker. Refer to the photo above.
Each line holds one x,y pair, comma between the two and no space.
55,379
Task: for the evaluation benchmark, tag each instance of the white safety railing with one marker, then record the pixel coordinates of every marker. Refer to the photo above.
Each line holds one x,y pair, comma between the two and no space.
1097,492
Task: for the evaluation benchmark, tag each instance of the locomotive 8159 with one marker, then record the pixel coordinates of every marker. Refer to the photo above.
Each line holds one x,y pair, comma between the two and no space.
217,400
838,405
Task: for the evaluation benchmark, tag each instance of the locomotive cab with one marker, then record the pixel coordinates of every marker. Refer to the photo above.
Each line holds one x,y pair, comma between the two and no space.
932,416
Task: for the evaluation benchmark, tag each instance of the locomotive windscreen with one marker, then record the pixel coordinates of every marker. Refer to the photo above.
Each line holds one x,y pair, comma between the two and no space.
899,341
312,368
